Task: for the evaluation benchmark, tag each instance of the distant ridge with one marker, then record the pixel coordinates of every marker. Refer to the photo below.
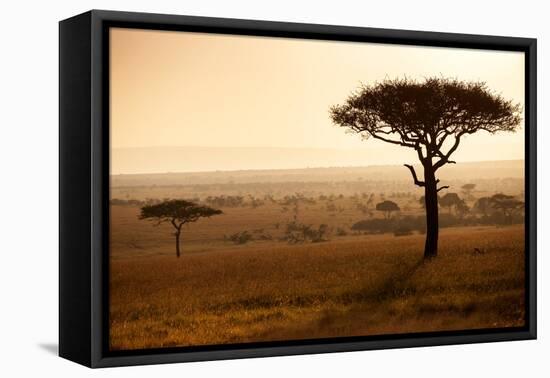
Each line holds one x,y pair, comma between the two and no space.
208,159
462,171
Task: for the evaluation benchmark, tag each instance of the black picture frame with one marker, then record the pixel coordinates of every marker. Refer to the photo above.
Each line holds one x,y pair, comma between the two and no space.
84,186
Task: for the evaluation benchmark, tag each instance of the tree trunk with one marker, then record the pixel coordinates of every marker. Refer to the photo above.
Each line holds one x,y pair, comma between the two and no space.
432,215
178,233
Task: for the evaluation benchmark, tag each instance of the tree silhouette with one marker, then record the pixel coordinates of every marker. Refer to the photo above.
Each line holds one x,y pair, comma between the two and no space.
467,189
462,208
450,200
431,117
387,207
178,213
483,205
507,204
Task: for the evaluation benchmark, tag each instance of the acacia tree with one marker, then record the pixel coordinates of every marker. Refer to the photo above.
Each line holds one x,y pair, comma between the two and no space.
431,117
177,213
387,207
483,205
450,200
507,204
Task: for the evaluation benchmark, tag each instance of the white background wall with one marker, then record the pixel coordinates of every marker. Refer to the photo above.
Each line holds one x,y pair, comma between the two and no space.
29,189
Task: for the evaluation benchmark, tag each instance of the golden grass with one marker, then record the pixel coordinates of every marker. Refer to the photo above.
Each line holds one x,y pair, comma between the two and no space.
356,285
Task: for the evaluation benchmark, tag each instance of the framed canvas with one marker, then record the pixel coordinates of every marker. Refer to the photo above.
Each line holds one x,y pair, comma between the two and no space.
235,188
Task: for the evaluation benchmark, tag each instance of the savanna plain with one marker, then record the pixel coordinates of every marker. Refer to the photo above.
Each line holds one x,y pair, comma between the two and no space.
312,253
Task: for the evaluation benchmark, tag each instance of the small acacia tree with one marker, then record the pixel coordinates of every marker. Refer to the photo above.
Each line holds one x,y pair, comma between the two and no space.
507,204
450,200
387,207
483,205
431,117
177,213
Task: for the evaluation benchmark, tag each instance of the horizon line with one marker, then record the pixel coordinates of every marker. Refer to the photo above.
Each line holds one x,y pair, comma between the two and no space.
297,169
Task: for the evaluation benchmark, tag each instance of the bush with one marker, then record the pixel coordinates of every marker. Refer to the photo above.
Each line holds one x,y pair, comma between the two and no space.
265,237
402,231
341,232
240,237
373,225
407,225
299,233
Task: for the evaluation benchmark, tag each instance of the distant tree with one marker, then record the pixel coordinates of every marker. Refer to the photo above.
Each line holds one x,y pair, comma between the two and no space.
364,208
507,204
331,207
299,233
341,232
450,201
432,117
322,232
240,237
177,213
462,208
483,206
387,207
467,189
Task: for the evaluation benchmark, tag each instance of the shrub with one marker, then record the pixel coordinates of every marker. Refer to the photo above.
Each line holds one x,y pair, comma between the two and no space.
373,225
402,231
341,232
299,233
240,237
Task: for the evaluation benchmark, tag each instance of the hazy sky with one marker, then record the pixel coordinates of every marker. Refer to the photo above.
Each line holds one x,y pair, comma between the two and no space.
205,90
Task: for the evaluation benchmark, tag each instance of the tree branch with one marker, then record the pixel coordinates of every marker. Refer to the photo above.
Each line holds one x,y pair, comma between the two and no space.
392,141
159,221
443,187
418,149
415,177
173,221
445,157
177,225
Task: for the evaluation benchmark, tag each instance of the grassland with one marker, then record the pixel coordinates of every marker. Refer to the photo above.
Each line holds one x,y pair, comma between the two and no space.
355,285
351,282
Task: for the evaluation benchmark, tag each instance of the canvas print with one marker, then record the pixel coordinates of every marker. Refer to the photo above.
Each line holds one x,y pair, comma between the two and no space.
271,189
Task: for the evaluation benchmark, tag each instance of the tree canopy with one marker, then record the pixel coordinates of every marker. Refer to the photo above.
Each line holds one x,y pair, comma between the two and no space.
450,200
387,207
431,116
506,203
178,213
